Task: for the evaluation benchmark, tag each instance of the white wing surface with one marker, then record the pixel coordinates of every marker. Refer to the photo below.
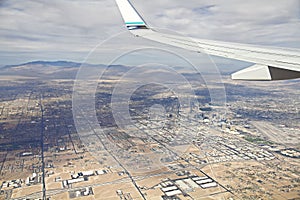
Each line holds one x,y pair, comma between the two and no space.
269,63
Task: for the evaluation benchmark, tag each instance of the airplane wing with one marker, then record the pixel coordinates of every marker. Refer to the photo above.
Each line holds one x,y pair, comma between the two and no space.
269,63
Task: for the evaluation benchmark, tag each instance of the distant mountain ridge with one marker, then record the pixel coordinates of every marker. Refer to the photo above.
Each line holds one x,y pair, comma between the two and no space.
54,69
43,69
59,63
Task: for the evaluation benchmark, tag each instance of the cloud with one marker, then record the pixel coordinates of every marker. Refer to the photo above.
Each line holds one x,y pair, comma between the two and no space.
240,21
205,10
70,28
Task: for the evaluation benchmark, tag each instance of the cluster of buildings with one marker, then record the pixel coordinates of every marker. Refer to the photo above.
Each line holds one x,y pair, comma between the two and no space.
81,192
223,149
123,195
182,186
81,177
12,184
34,179
292,153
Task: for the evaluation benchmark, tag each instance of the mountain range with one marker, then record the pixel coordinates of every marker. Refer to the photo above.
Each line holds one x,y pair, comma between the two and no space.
51,69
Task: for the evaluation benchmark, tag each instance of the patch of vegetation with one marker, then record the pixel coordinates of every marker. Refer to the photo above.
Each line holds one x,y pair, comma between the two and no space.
257,140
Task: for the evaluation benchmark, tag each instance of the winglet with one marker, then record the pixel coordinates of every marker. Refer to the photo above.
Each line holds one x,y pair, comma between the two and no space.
132,18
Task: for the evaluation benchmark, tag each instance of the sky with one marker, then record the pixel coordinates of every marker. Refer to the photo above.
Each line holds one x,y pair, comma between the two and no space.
70,29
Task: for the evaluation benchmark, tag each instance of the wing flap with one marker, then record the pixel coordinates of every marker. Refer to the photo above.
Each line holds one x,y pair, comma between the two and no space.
260,72
255,72
283,74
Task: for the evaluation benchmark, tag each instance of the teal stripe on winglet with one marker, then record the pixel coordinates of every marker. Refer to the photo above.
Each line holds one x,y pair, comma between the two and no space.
135,23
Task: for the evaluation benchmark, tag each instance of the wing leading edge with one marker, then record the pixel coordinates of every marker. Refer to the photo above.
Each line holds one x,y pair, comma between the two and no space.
269,63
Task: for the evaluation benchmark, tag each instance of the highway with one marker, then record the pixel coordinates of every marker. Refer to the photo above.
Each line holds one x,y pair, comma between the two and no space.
42,148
